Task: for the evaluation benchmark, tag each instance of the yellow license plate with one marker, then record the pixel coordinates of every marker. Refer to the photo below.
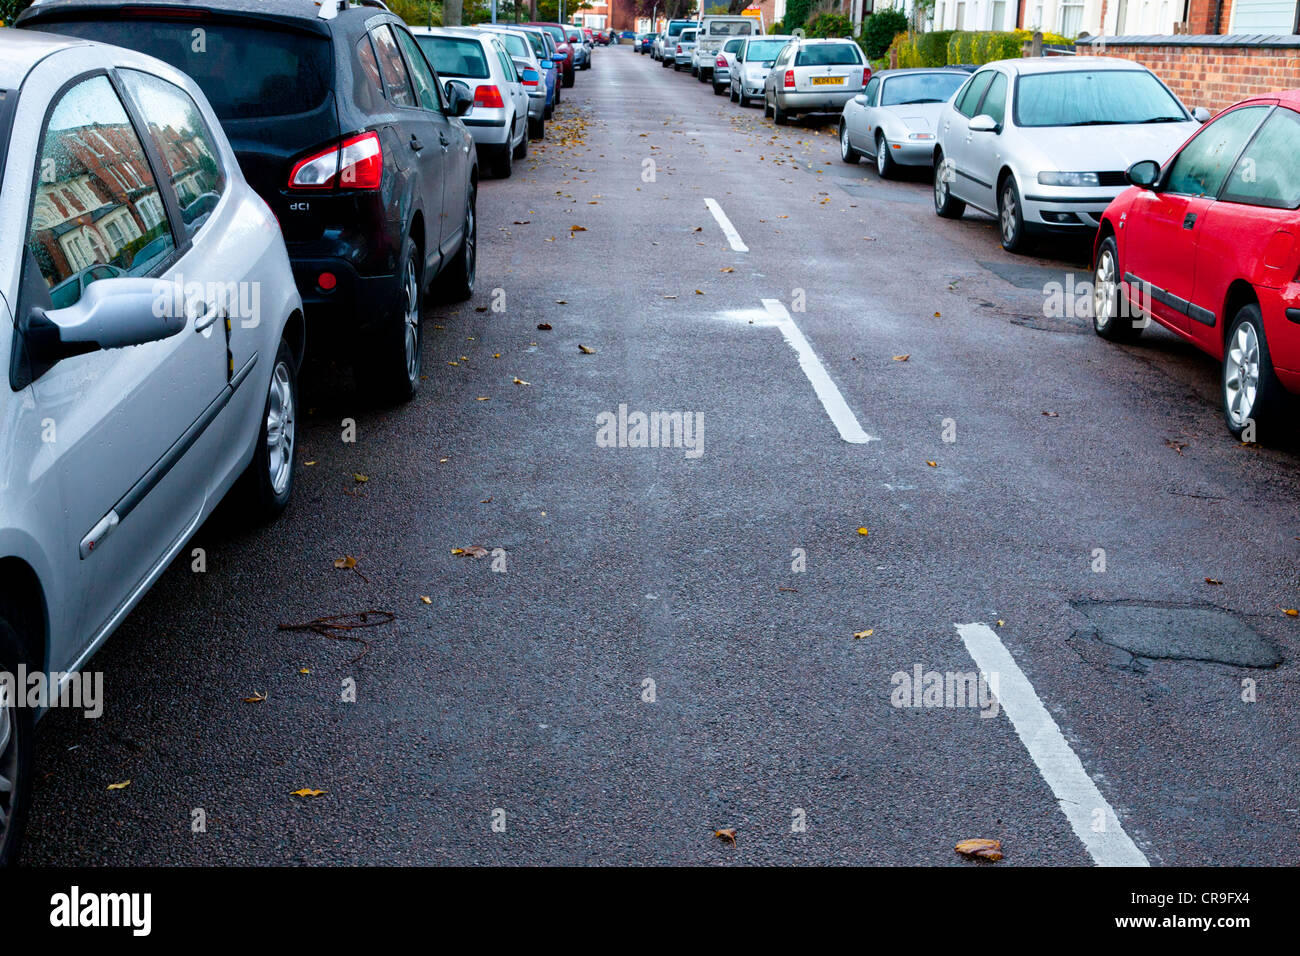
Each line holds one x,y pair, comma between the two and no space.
828,81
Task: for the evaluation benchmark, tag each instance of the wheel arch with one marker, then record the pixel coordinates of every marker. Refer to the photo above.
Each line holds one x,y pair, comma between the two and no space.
22,596
1240,294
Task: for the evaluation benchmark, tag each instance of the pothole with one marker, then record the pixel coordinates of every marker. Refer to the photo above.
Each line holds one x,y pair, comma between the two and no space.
1178,632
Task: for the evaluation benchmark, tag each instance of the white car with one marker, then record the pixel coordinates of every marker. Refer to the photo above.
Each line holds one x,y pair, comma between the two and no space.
714,32
813,76
753,61
721,75
1043,144
498,120
683,49
894,118
138,396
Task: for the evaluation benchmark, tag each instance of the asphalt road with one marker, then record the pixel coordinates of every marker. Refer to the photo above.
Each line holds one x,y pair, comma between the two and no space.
519,695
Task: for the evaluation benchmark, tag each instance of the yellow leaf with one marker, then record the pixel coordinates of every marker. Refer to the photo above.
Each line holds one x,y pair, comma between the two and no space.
307,792
483,398
728,834
309,463
727,269
257,698
303,670
867,633
520,381
933,464
981,849
1000,623
347,561
863,531
1290,612
119,786
585,350
903,358
361,479
426,599
457,550
936,315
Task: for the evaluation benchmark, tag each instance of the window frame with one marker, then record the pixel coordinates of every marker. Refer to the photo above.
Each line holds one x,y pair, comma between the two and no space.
1161,185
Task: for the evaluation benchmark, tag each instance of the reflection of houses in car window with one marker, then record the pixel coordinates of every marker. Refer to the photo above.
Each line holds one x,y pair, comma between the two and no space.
95,198
188,157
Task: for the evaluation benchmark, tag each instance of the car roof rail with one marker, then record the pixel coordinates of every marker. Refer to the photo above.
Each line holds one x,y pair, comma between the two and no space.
329,9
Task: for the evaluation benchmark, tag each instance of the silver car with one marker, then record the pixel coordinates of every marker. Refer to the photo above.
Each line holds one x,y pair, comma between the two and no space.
139,399
1042,144
752,63
893,120
684,48
521,50
813,76
498,120
722,60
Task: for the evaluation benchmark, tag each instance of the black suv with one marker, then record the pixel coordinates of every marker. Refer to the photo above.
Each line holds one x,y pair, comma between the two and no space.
344,128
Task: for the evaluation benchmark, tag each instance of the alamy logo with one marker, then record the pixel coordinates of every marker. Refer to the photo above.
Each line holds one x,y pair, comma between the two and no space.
75,908
653,430
232,300
926,689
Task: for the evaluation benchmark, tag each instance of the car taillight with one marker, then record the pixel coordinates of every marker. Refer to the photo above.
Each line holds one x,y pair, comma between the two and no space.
866,75
789,79
530,77
721,63
355,163
489,97
679,48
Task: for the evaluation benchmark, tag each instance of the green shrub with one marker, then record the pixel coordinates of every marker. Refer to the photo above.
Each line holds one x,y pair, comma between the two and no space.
776,29
830,25
879,30
796,14
980,47
932,48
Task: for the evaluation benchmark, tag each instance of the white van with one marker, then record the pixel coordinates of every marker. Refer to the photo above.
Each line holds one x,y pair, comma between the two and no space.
713,33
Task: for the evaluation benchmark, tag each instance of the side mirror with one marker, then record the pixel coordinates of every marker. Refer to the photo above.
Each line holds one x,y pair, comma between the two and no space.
861,99
111,314
1144,173
984,124
1201,114
459,98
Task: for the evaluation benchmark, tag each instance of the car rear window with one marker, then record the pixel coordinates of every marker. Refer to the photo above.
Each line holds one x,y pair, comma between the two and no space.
1094,98
515,44
246,72
455,56
829,54
763,51
730,28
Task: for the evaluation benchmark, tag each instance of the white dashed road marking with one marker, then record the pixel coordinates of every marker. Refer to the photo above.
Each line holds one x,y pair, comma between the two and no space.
838,409
728,229
1091,817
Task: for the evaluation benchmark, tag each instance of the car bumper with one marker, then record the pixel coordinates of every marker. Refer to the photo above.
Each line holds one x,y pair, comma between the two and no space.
682,59
355,303
721,75
537,104
818,102
1066,208
487,130
913,152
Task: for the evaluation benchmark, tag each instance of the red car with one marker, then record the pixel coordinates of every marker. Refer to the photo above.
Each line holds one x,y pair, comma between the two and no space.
559,33
1209,246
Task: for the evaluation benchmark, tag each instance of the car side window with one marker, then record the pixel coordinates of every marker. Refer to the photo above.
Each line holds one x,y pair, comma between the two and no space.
392,68
507,64
974,91
995,100
1266,174
96,211
368,82
1203,164
426,84
185,143
733,46
873,87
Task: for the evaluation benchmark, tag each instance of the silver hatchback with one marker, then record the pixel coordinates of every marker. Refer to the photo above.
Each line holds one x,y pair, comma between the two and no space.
152,333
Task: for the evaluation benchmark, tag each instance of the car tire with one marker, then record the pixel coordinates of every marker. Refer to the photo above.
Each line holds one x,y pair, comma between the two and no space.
1108,297
734,97
1250,391
847,153
779,116
1011,216
389,369
502,161
567,79
265,487
886,168
767,107
537,127
521,151
944,203
718,89
663,61
456,283
17,742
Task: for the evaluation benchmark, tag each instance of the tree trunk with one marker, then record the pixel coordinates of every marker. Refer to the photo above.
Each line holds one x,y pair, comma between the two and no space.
451,13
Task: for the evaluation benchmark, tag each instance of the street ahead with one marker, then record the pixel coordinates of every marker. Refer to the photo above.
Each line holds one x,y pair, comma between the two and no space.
663,642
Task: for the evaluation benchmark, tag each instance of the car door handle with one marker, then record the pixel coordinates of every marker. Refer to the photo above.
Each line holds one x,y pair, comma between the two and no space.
204,321
442,138
1189,220
415,143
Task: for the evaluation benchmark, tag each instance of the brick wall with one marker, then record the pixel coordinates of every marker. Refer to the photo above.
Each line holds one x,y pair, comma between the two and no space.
1200,16
1205,71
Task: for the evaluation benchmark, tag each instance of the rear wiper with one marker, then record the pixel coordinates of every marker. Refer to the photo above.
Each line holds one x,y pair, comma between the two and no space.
913,102
1160,119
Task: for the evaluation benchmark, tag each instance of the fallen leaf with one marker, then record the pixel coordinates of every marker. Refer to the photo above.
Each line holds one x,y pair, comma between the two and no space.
520,381
257,698
1000,623
790,590
902,358
727,269
859,635
727,834
426,599
361,479
937,315
863,531
1212,581
585,350
981,849
453,363
1052,414
481,308
347,561
698,292
544,326
577,229
1177,446
483,398
475,551
119,786
933,464
307,792
303,670
522,222
309,463
1290,611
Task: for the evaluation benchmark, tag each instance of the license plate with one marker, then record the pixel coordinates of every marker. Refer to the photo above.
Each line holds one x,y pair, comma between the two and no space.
828,81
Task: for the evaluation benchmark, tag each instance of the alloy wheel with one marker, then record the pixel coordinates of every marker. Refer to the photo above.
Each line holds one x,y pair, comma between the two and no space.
1241,377
1105,290
9,744
1008,214
280,428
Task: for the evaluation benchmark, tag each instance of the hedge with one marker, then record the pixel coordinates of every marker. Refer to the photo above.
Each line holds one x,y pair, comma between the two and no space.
980,47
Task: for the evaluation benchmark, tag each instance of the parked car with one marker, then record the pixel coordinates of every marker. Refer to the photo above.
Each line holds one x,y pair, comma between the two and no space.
813,76
752,63
721,76
894,119
498,116
1207,246
318,103
531,75
684,48
645,43
581,48
657,45
551,60
1042,144
714,32
171,379
668,41
560,36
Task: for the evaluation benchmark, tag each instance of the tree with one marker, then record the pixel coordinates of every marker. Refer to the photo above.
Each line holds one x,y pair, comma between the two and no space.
451,13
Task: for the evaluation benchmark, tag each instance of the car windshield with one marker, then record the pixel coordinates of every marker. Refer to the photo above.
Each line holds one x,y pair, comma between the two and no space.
1094,98
920,88
246,72
730,28
764,51
454,56
828,54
